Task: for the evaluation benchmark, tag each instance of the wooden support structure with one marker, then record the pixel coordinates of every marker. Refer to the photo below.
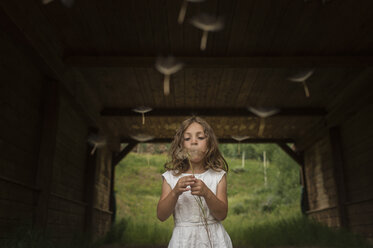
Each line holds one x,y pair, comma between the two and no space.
304,198
112,203
211,112
338,169
44,171
90,179
224,62
118,157
299,158
221,140
294,155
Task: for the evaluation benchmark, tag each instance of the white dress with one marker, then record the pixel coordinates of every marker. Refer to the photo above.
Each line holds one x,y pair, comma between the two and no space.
189,230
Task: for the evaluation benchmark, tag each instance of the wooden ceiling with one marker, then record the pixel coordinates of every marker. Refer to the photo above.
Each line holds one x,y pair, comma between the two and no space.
114,45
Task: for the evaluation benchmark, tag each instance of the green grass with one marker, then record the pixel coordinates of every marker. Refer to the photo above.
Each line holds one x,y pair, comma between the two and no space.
258,216
138,188
297,231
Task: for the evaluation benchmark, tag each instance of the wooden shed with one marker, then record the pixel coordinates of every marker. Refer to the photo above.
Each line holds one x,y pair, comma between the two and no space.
70,72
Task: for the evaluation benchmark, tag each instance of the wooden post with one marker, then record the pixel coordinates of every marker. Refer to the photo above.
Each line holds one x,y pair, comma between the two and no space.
299,158
113,204
303,178
90,180
116,158
338,169
44,170
265,168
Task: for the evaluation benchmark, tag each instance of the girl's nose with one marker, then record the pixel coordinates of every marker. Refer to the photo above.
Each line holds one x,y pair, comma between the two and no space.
194,141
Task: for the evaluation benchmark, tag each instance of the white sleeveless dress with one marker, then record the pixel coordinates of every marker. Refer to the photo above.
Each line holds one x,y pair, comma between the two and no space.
189,230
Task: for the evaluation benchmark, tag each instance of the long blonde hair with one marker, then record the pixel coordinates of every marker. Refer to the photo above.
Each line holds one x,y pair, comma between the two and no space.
213,158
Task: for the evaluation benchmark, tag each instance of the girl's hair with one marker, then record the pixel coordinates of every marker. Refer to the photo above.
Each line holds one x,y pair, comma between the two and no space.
213,158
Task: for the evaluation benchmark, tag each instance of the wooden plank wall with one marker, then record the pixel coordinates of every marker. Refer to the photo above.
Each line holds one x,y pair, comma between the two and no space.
68,202
21,109
67,206
357,142
339,182
102,214
20,121
321,186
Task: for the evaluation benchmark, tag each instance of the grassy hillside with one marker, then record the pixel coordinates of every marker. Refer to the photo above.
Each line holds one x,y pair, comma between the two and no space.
259,215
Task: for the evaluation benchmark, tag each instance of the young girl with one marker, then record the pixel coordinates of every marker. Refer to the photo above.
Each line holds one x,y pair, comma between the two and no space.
195,174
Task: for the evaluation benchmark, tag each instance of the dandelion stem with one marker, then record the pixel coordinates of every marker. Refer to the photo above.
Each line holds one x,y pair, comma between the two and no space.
166,85
204,40
201,208
182,12
306,90
93,150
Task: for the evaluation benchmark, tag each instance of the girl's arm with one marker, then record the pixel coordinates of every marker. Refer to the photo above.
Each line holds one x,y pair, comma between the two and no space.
218,204
169,196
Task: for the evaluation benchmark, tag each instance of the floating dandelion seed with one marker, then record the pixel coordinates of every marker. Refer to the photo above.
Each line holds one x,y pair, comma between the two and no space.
142,110
66,3
183,9
167,66
207,23
96,141
142,137
239,139
263,113
203,214
301,78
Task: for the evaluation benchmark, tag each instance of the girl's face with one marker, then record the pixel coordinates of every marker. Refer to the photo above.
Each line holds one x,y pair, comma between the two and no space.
195,140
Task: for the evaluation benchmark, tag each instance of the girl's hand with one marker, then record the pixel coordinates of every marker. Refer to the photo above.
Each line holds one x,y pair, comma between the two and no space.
199,188
183,183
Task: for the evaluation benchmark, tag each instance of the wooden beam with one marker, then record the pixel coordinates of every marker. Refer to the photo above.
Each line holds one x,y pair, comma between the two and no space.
210,112
48,140
221,140
338,169
118,157
224,62
295,156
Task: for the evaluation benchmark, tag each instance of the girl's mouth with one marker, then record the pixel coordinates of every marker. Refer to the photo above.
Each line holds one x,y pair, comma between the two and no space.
195,153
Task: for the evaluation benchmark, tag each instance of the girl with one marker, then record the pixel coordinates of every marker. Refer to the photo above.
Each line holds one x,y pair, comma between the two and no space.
194,188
